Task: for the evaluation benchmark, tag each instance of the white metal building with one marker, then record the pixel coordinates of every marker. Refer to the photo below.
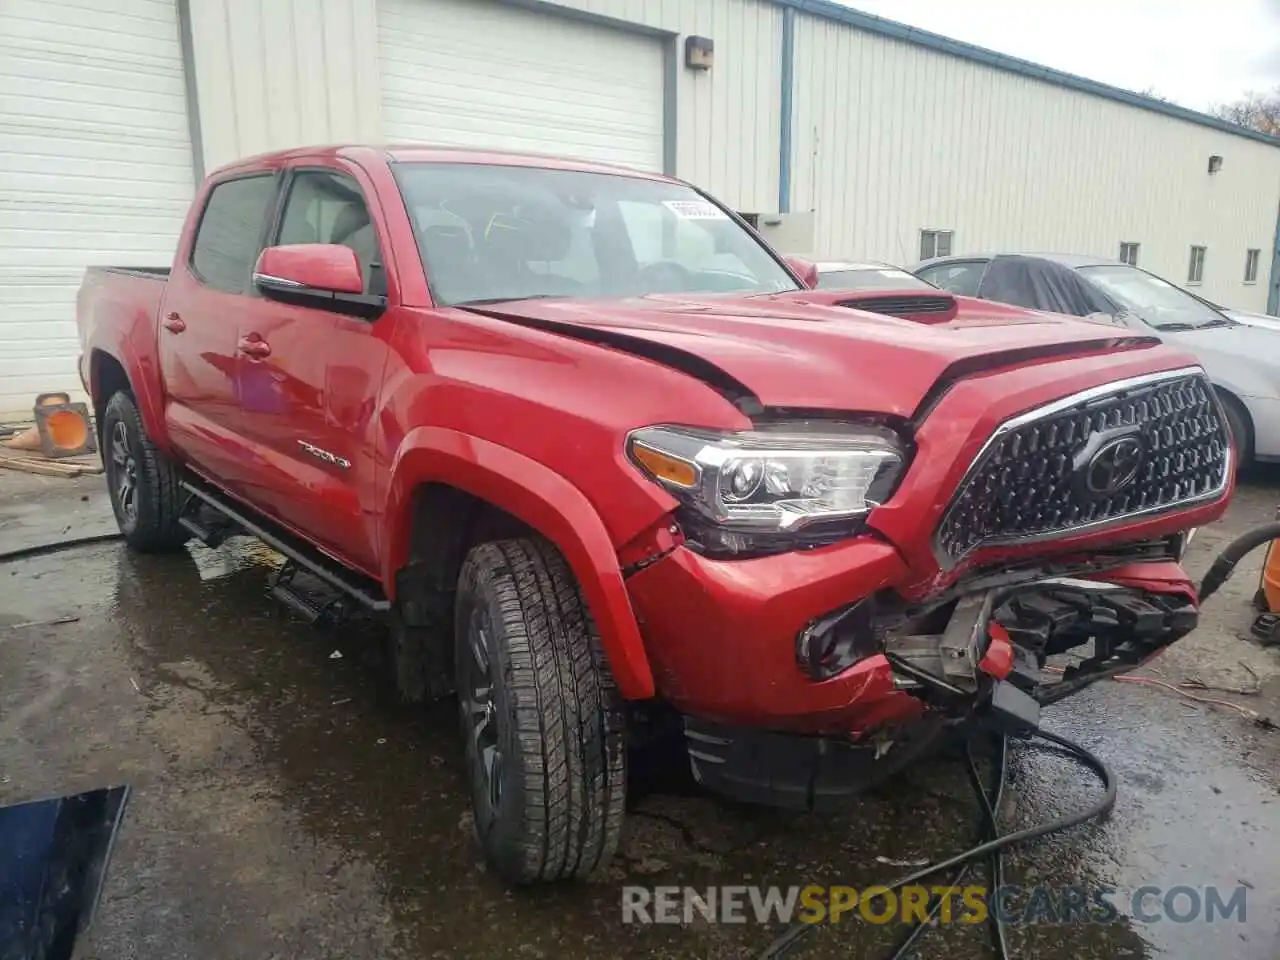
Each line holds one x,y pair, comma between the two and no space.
845,134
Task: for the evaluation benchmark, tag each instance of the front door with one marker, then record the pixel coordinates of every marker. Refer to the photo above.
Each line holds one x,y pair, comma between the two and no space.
310,380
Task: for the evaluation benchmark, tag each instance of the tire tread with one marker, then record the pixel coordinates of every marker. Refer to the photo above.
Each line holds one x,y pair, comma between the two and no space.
568,714
159,508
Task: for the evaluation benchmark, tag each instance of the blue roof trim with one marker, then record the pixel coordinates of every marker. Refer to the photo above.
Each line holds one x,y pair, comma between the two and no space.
968,51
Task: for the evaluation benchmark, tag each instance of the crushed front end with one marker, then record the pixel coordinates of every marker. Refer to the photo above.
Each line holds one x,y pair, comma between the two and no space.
1046,559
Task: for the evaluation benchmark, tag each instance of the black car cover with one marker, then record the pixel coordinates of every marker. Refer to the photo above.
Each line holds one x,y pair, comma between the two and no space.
1040,284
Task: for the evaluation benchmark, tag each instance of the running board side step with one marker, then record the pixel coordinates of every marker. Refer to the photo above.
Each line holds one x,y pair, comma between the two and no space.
296,550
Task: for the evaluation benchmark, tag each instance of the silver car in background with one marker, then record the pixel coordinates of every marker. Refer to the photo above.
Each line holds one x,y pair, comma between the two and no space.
1241,359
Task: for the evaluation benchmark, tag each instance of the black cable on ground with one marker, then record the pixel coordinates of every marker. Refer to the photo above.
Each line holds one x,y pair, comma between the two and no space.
1234,552
43,549
989,824
786,943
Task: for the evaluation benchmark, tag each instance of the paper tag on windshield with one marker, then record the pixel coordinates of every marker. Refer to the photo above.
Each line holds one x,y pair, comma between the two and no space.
695,210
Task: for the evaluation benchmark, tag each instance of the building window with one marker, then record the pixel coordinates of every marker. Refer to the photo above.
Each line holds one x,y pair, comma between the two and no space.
935,243
1195,270
1129,254
1251,265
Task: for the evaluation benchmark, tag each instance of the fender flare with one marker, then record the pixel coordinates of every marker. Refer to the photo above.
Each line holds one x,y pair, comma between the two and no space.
547,503
144,384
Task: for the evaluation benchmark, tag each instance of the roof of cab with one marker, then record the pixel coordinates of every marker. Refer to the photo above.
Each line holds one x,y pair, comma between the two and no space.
440,153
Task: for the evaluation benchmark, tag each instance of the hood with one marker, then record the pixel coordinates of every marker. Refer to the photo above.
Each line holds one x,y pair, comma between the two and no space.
801,350
1245,342
1263,320
1243,358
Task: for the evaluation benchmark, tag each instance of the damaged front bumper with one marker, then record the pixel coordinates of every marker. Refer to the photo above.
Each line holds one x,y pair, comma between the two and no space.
992,656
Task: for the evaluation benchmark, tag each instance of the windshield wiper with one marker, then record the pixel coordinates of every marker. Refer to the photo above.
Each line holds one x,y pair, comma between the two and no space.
1176,326
489,301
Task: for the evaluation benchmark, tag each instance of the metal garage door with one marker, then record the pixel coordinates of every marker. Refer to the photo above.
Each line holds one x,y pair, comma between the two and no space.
481,73
95,167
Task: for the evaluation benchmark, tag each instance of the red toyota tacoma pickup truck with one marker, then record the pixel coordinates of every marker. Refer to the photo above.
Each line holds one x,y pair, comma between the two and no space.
600,455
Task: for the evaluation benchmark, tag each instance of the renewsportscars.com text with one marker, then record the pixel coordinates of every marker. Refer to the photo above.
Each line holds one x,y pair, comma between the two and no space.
968,904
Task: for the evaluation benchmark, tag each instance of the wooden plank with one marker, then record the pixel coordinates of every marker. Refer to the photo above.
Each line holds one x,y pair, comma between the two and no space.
47,468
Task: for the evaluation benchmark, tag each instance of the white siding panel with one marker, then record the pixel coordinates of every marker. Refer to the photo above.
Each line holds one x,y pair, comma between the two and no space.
273,74
475,73
280,73
728,117
891,138
96,168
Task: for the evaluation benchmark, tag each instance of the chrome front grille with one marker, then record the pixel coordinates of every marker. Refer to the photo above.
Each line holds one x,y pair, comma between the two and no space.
1128,449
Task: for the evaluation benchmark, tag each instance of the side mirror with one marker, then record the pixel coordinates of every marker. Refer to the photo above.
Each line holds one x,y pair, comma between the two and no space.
806,270
326,276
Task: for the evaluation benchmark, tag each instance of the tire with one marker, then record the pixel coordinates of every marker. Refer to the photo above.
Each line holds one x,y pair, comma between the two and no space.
545,754
1238,424
142,482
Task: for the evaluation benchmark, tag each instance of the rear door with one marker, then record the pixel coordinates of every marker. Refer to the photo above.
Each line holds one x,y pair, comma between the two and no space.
207,291
307,404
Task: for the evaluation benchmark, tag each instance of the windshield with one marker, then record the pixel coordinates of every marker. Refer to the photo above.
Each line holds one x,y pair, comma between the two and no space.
491,233
871,278
1158,302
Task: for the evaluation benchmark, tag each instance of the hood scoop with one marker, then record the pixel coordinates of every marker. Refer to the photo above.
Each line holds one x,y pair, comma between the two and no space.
914,306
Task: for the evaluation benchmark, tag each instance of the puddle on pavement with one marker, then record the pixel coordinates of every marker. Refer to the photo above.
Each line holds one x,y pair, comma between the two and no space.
344,820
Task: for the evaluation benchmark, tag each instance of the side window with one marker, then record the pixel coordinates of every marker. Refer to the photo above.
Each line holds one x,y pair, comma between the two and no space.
230,230
962,278
325,207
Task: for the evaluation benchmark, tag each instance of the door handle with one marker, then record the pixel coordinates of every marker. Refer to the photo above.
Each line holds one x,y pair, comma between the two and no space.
255,348
174,323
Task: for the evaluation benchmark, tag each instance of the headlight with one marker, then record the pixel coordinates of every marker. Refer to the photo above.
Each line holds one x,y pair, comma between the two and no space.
773,488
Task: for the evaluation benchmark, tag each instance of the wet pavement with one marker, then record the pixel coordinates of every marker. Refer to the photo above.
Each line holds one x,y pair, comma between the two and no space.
282,810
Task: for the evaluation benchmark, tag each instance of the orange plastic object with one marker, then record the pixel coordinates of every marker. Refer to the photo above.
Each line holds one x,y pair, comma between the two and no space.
64,429
1270,585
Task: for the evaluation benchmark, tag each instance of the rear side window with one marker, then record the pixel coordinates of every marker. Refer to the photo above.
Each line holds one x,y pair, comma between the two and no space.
229,236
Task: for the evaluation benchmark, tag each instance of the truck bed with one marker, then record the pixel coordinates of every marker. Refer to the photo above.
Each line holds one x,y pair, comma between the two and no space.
118,305
146,273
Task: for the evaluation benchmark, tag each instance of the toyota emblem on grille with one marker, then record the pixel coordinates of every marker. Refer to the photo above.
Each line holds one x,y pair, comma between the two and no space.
1113,466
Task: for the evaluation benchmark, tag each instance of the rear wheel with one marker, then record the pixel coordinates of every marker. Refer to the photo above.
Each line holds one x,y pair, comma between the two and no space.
142,482
542,718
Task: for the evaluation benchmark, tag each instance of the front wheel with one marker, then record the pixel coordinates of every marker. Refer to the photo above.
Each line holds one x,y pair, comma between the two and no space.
1238,424
142,482
541,715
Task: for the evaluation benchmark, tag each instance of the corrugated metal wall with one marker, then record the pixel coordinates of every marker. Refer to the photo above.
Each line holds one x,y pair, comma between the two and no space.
276,73
729,117
284,73
891,138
